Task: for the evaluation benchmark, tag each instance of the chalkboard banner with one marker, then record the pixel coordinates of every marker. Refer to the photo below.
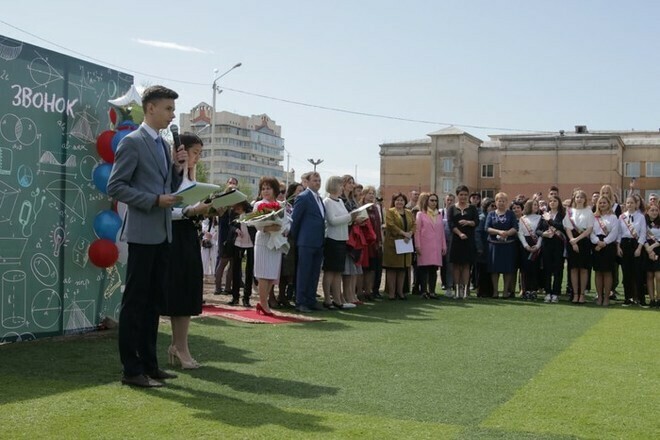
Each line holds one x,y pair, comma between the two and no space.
52,109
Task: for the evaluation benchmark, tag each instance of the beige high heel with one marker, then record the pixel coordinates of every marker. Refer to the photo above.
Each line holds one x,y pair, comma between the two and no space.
174,358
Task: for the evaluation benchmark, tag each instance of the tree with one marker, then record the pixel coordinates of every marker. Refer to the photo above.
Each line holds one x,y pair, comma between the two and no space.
202,172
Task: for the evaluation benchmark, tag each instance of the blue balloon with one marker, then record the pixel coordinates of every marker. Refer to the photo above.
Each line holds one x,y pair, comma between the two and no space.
100,176
106,224
117,138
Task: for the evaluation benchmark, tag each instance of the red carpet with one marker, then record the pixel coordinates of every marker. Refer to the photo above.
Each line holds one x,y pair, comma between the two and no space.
250,315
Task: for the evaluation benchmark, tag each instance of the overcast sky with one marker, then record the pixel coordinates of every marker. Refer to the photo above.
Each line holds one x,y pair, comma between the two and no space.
488,67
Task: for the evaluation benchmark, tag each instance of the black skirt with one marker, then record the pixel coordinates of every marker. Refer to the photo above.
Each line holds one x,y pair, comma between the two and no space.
581,259
651,265
334,255
604,260
183,296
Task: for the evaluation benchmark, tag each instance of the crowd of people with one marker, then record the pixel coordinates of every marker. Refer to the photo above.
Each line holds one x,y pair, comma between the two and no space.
352,237
531,244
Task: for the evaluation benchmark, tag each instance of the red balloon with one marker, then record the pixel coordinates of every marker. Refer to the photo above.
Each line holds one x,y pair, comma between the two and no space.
104,146
113,115
103,253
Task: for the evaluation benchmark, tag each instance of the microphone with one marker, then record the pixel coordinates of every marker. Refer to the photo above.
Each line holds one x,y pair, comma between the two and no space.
175,136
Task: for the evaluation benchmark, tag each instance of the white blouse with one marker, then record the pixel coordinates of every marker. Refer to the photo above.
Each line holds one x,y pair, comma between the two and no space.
583,219
337,219
632,222
527,226
607,225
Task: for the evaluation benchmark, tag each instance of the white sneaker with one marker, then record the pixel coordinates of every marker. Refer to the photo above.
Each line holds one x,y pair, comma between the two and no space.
449,293
555,299
348,306
547,298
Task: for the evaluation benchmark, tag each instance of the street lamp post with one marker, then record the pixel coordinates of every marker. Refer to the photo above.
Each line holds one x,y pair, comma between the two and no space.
315,162
216,91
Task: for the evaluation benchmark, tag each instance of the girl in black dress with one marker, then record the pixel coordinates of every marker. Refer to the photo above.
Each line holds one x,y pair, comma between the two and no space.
184,294
463,220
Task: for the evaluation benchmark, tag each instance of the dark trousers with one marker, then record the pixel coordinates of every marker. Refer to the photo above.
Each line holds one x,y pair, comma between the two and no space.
237,272
530,269
378,273
307,274
146,280
428,277
633,274
484,281
553,265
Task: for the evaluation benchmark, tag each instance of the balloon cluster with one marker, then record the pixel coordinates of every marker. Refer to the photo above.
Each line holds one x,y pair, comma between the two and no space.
103,252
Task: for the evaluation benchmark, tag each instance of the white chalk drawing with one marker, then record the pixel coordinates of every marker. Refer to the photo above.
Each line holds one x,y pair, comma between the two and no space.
74,197
6,161
114,282
14,300
15,129
78,316
87,165
44,270
59,239
112,88
48,163
15,337
79,253
42,72
12,249
25,176
85,127
84,84
8,196
10,49
46,308
30,210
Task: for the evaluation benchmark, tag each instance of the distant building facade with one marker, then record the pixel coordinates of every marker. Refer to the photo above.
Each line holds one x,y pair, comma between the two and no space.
523,163
246,147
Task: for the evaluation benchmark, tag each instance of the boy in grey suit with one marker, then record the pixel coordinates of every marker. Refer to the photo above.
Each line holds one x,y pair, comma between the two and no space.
143,176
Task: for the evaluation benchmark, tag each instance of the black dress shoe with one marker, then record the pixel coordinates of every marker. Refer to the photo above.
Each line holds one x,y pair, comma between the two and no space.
161,374
141,380
246,302
303,309
233,302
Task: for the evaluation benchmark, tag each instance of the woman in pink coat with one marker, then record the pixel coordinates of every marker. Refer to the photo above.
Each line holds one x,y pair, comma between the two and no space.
430,243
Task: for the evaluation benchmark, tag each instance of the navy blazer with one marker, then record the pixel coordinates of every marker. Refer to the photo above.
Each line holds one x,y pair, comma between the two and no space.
137,178
307,223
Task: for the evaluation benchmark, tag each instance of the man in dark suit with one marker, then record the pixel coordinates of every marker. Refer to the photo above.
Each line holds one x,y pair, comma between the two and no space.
143,176
308,231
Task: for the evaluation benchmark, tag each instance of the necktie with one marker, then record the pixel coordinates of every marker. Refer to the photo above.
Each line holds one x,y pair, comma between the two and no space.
160,150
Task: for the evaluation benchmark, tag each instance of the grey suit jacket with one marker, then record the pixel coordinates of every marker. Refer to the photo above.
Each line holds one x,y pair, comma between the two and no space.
137,178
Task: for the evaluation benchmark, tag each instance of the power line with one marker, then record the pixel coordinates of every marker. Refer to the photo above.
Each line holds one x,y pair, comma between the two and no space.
272,98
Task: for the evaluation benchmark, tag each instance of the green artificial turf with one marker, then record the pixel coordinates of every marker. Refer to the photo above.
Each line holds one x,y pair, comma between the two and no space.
418,369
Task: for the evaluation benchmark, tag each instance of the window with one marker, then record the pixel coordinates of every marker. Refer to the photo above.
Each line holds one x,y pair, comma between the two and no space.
448,186
652,169
631,169
487,170
487,193
448,165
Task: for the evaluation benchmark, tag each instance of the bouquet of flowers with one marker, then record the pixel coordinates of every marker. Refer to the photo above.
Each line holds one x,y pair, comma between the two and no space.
267,214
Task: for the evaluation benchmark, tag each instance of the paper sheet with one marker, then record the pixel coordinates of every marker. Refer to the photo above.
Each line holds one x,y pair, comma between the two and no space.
402,247
195,192
229,198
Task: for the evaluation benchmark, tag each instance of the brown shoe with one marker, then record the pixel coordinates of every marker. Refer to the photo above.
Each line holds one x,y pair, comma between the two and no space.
141,380
161,374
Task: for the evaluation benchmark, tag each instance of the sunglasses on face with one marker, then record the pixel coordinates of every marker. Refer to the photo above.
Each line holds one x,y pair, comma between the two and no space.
433,200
